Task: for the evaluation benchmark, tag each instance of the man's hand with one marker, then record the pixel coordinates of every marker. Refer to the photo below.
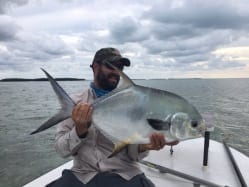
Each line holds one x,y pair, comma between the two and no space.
157,142
82,117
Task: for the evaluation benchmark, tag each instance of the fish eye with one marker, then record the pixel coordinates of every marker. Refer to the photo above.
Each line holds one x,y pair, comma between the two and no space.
194,124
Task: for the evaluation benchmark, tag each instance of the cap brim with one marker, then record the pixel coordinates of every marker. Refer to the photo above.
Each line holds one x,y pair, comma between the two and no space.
125,61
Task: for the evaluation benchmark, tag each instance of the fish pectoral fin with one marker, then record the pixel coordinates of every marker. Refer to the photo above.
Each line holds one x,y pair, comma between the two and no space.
158,124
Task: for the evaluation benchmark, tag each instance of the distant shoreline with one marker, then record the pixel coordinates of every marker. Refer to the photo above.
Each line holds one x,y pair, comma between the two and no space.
39,79
82,79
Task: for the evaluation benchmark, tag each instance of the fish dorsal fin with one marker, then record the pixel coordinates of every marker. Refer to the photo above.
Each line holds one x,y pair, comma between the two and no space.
158,124
126,81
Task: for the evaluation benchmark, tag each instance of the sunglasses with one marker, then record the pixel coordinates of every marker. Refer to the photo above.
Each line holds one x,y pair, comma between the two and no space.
114,63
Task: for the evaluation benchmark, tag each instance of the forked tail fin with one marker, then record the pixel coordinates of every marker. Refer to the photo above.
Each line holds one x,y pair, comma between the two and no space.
66,103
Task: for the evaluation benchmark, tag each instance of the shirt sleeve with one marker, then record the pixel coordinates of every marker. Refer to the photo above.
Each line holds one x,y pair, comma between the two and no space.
134,154
67,142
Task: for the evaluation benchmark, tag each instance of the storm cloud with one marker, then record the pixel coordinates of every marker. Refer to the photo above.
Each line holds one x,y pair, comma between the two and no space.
181,36
6,4
8,28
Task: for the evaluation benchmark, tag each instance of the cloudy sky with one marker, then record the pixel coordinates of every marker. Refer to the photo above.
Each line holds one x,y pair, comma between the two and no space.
162,38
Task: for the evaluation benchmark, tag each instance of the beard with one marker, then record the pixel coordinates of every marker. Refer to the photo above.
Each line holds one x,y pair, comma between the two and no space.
107,81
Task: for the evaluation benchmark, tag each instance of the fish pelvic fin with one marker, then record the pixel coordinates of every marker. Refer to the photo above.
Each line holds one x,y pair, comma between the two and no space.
123,144
118,148
158,124
66,103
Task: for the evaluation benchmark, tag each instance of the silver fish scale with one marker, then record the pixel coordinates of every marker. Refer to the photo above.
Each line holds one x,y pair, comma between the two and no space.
134,112
124,114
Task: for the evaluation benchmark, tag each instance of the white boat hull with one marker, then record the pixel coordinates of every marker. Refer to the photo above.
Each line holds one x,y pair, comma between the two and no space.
187,158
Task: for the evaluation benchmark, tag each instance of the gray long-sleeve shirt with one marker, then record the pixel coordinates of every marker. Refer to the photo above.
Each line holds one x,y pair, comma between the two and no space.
90,153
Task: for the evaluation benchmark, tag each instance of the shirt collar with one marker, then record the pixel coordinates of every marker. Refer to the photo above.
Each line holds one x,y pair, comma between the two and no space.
97,91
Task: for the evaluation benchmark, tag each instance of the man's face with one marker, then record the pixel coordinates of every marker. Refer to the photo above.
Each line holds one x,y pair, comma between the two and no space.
107,78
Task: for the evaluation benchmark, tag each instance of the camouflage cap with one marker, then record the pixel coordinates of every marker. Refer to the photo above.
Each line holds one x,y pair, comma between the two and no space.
111,54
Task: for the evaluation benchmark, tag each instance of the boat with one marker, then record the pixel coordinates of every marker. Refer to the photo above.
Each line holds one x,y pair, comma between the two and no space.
191,164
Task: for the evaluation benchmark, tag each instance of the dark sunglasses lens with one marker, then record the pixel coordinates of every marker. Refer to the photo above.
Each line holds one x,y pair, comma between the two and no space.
108,66
119,66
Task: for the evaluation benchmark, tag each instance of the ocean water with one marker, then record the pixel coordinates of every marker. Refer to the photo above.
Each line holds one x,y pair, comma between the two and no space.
25,105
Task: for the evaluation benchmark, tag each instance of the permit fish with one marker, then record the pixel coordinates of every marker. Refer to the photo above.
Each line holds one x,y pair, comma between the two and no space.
130,113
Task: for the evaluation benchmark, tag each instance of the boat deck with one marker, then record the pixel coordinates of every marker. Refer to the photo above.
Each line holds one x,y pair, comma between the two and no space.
187,158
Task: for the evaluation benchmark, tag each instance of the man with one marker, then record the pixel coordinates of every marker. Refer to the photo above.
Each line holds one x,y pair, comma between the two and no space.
78,137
